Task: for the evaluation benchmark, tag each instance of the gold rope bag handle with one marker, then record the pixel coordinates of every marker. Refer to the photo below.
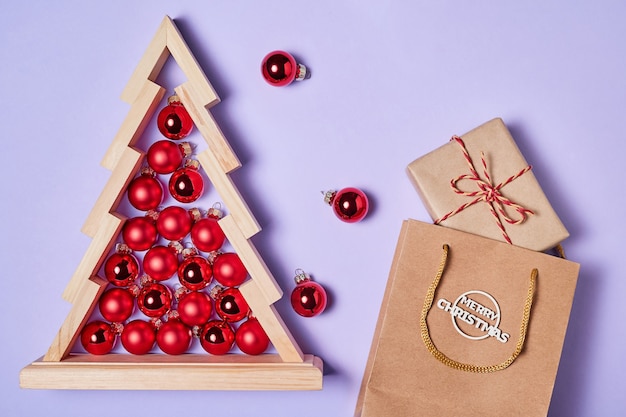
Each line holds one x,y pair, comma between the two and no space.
428,302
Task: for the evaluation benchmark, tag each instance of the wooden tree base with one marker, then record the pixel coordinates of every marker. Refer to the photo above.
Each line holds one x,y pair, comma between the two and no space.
165,372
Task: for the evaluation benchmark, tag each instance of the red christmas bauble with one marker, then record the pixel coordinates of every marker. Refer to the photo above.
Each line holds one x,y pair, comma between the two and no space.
117,304
121,269
138,337
195,273
228,270
349,204
251,338
194,308
173,223
154,300
174,337
279,68
308,298
160,262
217,337
165,156
186,184
98,338
145,192
207,235
139,233
174,121
230,304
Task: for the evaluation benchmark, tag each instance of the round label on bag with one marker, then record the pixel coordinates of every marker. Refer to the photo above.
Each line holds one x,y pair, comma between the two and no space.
475,315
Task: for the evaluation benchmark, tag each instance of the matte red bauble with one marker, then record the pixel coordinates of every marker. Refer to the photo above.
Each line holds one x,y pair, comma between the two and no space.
139,233
186,184
98,338
165,156
207,234
145,192
251,338
279,68
195,273
308,298
117,304
174,337
230,304
173,223
121,269
228,270
138,337
173,120
217,337
194,308
349,204
154,300
160,262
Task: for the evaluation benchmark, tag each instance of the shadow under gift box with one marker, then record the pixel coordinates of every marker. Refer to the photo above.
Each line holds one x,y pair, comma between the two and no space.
496,196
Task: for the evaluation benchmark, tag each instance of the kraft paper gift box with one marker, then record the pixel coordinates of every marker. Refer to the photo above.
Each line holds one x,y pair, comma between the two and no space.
480,183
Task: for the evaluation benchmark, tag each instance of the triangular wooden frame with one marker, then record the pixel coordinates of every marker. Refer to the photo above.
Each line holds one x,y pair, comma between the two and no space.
289,369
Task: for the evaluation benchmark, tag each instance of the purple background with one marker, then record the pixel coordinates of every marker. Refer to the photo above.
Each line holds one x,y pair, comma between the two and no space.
390,82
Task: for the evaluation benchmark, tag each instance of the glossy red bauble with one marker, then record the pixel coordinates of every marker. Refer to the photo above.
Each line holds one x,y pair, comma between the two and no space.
279,68
165,156
173,120
154,300
230,304
117,304
139,233
207,235
251,338
186,184
121,269
145,192
173,223
98,338
194,308
174,337
309,298
228,270
349,204
160,262
195,273
138,337
217,337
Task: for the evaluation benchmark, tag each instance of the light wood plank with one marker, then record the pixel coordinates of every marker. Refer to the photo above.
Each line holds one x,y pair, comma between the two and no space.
227,190
86,300
128,165
252,260
98,249
133,126
272,323
184,372
208,128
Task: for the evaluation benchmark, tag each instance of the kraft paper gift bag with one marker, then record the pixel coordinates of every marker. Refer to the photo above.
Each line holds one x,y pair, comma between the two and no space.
469,326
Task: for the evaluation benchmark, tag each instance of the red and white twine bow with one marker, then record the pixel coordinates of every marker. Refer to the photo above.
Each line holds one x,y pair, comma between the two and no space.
488,193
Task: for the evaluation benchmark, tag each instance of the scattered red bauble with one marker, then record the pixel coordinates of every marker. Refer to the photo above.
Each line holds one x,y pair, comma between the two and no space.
228,269
174,337
217,337
308,298
138,337
279,68
349,204
98,338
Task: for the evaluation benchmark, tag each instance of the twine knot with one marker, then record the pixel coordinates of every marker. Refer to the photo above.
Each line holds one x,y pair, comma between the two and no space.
488,192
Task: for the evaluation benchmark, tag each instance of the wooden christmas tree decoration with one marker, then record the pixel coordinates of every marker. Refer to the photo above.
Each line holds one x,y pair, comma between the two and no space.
60,368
